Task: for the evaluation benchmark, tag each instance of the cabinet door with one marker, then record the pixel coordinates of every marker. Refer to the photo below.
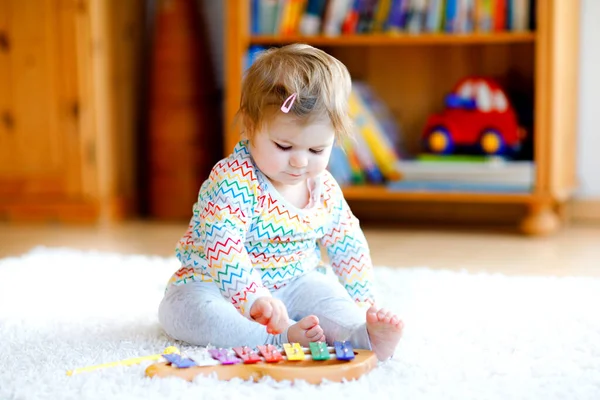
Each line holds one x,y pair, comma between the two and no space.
39,146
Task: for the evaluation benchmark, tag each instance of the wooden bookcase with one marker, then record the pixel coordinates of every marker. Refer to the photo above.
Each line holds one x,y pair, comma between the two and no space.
413,72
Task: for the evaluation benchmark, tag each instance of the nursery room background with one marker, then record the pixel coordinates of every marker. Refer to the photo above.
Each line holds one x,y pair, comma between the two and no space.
474,167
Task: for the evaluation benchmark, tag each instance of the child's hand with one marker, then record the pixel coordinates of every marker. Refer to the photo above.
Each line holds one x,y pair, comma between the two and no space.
270,312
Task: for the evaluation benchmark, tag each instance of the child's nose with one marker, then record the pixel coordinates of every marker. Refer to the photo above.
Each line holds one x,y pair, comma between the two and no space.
298,161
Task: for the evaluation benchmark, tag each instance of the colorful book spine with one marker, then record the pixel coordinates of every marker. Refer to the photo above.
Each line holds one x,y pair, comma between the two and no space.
381,14
500,15
392,135
366,15
451,16
368,127
335,13
365,157
435,17
397,17
350,23
484,15
268,11
338,166
356,172
312,19
254,22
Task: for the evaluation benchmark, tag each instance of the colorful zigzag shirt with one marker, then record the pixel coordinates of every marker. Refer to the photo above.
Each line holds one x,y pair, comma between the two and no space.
248,240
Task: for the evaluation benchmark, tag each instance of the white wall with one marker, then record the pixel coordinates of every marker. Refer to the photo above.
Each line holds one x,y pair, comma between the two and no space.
589,101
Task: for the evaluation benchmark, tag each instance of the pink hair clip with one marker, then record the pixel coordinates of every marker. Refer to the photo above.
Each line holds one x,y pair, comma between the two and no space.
288,103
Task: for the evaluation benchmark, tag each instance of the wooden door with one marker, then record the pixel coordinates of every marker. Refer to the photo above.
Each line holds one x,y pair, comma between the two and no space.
40,150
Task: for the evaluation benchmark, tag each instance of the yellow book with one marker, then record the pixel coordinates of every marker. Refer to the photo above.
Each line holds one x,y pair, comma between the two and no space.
368,127
381,15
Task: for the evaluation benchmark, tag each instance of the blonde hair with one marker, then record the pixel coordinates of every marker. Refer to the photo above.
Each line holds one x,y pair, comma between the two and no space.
321,83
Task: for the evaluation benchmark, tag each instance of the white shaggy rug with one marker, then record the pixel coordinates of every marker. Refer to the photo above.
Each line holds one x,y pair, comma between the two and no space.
467,336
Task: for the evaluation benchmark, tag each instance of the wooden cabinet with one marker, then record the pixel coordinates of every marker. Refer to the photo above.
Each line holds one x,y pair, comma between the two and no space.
67,108
413,72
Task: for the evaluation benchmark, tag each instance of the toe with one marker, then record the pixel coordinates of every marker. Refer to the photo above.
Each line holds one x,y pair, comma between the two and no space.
372,315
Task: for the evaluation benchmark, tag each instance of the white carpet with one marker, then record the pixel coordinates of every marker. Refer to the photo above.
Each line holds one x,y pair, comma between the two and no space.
467,336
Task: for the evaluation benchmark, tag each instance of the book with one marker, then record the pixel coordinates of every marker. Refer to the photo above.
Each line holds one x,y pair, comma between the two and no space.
335,13
459,187
367,126
266,17
493,171
312,19
520,15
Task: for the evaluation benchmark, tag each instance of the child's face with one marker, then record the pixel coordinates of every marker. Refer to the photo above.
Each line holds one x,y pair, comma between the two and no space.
289,153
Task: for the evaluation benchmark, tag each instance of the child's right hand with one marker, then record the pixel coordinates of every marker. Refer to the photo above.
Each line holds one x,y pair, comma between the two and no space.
270,312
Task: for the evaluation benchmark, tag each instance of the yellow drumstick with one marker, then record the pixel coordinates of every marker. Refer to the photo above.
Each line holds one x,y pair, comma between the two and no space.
129,361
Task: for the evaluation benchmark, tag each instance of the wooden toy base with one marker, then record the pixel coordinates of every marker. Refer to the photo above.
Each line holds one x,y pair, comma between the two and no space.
308,370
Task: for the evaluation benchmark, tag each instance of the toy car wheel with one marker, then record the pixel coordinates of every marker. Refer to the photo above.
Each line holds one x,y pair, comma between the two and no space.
491,142
439,141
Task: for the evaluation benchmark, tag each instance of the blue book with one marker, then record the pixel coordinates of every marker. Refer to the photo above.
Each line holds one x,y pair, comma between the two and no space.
397,16
451,16
253,52
339,166
254,23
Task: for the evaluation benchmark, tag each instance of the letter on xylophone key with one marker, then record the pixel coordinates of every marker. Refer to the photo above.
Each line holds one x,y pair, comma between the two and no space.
343,350
223,356
270,353
293,351
319,351
248,355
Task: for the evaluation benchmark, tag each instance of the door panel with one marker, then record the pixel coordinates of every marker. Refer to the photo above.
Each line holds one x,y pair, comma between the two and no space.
38,97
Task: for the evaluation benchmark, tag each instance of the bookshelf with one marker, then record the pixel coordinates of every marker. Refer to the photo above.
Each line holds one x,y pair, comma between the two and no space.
398,39
412,72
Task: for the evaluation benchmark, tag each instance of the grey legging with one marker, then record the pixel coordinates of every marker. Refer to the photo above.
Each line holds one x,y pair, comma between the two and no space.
196,313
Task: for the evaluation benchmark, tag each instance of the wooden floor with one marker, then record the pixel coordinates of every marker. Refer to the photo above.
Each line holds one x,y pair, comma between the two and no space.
574,251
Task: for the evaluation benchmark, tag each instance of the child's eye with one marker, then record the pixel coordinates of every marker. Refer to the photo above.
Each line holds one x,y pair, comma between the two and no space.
316,151
284,148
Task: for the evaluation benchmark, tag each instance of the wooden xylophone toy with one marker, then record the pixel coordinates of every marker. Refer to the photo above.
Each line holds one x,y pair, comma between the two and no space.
313,364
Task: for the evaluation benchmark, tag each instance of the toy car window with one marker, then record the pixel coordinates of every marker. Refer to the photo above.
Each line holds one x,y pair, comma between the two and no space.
500,102
484,97
465,91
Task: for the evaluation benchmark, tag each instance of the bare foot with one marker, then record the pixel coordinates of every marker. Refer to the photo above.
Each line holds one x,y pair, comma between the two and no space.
385,330
305,331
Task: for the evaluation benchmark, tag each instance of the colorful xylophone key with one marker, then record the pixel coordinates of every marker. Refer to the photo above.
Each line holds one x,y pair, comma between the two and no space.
319,351
247,355
202,357
293,351
223,356
343,350
270,353
179,361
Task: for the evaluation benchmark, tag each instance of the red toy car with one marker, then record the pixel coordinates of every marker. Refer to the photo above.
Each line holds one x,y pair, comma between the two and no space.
478,116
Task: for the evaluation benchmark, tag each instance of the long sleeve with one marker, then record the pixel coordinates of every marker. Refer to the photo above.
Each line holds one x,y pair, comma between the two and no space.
347,246
218,230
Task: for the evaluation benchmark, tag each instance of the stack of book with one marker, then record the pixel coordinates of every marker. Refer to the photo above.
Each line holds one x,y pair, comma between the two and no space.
336,17
450,173
372,154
